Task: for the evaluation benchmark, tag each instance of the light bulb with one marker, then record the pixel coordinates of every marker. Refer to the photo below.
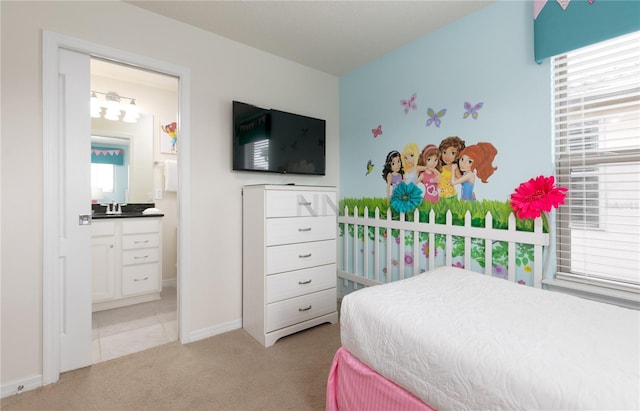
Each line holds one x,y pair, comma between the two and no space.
113,106
131,113
95,108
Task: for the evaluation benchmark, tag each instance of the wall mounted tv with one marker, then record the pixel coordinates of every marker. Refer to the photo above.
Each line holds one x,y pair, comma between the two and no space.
277,142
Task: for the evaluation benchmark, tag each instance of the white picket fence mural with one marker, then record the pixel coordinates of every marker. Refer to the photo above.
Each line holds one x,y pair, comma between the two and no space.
375,251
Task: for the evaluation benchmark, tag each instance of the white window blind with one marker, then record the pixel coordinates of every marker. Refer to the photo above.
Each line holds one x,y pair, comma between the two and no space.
597,157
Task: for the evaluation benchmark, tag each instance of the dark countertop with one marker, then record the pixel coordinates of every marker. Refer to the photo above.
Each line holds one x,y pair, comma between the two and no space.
132,210
125,214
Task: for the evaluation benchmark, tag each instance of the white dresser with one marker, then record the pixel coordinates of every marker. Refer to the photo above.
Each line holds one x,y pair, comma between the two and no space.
126,259
289,259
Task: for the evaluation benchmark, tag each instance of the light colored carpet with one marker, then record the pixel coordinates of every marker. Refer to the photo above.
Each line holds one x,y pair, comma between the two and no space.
230,371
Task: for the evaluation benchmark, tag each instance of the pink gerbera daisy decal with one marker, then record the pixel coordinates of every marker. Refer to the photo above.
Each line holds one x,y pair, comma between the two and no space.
533,197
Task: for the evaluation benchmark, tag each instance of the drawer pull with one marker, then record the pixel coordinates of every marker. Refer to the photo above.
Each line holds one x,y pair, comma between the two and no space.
305,282
304,203
141,242
135,257
141,279
304,229
305,308
304,255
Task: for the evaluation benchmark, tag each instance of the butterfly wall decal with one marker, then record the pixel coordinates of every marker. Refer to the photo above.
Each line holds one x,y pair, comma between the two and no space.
471,110
369,167
434,118
377,131
409,104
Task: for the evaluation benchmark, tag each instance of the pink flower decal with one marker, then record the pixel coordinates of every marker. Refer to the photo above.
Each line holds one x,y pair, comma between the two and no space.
535,196
408,259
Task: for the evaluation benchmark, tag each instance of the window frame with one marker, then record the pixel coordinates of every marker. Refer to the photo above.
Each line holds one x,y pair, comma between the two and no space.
585,134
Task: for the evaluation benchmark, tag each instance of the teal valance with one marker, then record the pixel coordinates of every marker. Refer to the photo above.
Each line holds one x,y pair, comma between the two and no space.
107,155
564,25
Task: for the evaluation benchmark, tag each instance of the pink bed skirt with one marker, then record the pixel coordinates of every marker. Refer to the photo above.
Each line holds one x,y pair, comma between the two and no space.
353,386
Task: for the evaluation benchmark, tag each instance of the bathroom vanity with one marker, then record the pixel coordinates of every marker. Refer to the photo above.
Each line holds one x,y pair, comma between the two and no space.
126,259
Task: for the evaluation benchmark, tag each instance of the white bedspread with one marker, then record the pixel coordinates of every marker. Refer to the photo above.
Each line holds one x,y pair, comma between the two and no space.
461,340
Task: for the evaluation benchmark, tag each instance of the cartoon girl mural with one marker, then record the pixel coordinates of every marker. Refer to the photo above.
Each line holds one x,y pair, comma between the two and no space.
430,158
450,149
474,160
392,172
412,170
410,154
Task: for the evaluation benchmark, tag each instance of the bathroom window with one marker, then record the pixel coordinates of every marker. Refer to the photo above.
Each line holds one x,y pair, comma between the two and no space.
103,176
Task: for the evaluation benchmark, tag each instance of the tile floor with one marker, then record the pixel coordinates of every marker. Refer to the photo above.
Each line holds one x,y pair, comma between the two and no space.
126,330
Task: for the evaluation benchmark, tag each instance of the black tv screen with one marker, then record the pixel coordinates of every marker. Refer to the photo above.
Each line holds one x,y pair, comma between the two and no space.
276,141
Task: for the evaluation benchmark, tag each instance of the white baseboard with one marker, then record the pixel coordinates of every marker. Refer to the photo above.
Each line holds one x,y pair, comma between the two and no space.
211,331
28,384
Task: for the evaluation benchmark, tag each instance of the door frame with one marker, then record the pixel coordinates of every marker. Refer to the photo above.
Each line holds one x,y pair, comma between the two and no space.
52,297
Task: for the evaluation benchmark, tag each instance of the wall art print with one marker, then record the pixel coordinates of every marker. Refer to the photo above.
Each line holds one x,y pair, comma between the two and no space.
169,137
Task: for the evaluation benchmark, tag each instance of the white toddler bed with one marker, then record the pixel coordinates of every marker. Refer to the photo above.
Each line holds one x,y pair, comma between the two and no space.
460,340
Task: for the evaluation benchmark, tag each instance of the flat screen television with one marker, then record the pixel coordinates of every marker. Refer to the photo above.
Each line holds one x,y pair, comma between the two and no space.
277,142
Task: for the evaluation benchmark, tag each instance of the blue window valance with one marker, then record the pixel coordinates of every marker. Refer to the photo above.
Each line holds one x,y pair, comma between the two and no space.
564,25
107,155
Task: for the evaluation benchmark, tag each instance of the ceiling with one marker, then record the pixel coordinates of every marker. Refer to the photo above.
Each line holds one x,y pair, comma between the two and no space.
334,37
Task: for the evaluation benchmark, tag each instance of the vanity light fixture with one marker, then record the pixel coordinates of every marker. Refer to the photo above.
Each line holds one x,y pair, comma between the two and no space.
114,107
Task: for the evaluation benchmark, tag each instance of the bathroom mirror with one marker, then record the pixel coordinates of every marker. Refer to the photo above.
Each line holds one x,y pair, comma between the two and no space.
122,160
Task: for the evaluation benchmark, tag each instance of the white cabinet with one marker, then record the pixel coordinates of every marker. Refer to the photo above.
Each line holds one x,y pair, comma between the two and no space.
103,260
289,259
126,261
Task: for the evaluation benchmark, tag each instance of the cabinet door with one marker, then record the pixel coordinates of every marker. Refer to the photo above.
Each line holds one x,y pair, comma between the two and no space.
103,268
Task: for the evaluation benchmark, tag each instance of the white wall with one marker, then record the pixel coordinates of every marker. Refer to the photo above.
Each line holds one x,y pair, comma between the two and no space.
221,71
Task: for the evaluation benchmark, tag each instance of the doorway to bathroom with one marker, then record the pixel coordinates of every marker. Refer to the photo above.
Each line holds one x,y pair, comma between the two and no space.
66,301
130,110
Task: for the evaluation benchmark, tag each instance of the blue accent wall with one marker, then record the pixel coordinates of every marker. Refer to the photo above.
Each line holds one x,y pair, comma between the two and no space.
485,57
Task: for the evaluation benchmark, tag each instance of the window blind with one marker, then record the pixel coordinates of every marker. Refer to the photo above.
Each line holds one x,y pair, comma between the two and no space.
597,157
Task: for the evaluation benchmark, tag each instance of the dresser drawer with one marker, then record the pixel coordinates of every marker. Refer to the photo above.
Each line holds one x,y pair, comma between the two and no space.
297,283
291,257
300,229
295,310
300,203
141,256
142,225
130,242
141,278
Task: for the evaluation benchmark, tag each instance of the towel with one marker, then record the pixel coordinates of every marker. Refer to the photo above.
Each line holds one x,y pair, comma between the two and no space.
170,175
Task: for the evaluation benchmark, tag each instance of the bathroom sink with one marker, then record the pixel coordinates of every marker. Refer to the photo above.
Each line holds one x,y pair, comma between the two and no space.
124,214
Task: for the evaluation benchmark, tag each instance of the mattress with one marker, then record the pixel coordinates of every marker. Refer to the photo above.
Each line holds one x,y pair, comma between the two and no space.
461,340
